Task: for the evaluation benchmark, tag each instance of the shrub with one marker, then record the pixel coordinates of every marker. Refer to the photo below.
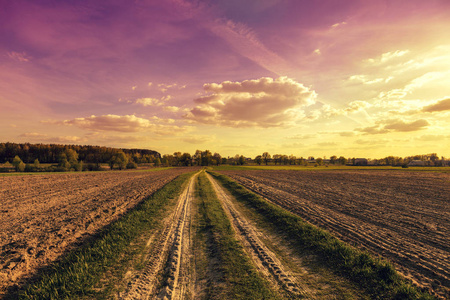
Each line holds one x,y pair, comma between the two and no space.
131,165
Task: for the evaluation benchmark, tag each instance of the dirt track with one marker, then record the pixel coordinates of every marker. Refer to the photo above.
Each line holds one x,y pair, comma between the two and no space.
264,259
167,272
42,216
403,216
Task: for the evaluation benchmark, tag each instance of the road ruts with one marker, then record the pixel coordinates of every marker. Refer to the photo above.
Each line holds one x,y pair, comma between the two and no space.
161,276
266,261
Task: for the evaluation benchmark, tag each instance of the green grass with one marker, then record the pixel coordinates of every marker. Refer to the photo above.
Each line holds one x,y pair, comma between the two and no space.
240,278
330,168
76,274
377,277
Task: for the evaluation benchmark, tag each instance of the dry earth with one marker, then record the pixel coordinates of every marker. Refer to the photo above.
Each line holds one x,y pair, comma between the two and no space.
43,216
402,216
167,272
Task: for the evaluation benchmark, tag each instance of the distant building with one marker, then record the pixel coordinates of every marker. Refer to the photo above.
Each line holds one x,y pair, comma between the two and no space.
416,163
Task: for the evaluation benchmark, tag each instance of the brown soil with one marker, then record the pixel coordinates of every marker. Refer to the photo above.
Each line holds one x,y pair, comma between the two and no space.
167,272
402,216
43,216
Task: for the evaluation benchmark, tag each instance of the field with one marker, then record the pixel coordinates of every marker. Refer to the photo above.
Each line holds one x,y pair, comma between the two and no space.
401,216
44,216
171,234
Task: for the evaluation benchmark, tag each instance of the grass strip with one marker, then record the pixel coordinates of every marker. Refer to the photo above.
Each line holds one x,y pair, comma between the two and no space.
241,280
76,274
372,274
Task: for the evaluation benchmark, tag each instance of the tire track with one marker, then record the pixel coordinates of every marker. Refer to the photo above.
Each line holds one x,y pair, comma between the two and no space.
266,261
161,276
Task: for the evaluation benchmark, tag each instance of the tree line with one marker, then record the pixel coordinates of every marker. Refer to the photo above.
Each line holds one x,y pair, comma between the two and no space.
54,157
30,157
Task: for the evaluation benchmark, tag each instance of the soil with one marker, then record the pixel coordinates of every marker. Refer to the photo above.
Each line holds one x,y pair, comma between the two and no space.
167,274
401,216
264,259
43,216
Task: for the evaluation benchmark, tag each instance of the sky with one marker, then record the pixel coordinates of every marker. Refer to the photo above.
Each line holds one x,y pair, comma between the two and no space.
357,78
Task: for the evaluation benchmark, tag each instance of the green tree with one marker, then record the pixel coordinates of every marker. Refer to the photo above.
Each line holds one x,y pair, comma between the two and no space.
266,156
18,164
258,159
121,160
319,161
342,160
157,162
218,158
36,164
186,159
206,158
241,160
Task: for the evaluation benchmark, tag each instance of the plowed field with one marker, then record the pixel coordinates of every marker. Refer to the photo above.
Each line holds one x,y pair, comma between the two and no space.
402,216
42,216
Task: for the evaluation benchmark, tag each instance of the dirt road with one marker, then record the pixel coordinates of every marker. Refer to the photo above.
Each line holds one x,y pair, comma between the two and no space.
167,274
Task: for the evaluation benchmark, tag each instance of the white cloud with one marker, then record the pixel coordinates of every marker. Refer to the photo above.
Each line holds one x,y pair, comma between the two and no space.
127,123
386,126
388,56
263,102
198,139
153,101
171,108
21,57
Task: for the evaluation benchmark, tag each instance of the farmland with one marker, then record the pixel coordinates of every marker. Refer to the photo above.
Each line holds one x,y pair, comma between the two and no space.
401,216
203,236
43,216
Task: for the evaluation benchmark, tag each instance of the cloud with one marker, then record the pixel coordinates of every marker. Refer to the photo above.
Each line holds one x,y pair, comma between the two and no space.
302,136
198,139
22,57
127,123
338,24
263,102
153,101
45,138
365,80
171,108
441,105
33,135
66,139
387,57
387,126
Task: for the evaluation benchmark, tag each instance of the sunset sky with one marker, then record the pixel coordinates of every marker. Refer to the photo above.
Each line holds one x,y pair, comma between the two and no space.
366,78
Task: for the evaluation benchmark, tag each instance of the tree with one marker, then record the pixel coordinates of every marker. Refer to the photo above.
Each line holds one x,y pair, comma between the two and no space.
121,160
258,159
218,158
186,159
36,164
277,159
157,162
206,158
18,164
241,160
342,160
266,156
319,161
333,159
